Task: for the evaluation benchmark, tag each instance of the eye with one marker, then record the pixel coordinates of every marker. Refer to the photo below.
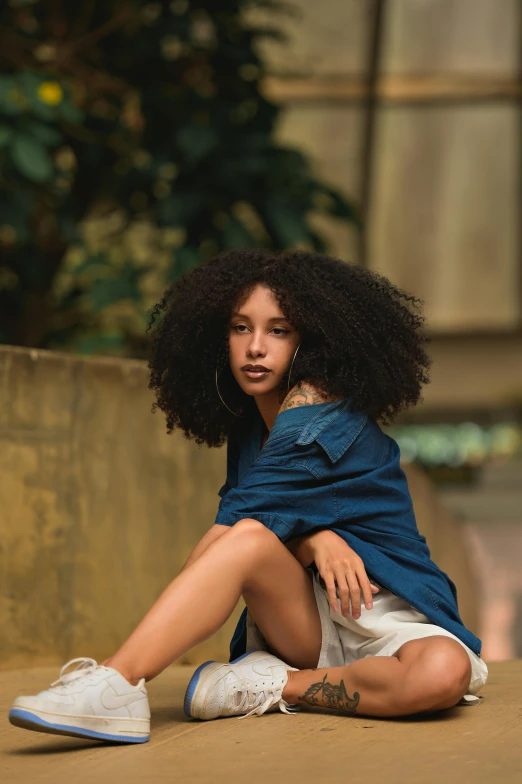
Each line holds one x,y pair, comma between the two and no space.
279,330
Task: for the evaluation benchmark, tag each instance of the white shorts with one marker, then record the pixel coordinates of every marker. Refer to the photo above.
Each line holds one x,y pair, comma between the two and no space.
378,632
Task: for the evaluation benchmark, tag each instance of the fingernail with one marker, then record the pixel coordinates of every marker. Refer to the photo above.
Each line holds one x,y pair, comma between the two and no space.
357,615
369,605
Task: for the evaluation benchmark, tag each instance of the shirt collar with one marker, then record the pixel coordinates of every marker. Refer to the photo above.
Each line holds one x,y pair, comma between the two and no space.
333,425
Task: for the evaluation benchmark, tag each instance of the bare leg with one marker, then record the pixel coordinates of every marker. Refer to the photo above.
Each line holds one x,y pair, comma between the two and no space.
424,675
248,559
428,674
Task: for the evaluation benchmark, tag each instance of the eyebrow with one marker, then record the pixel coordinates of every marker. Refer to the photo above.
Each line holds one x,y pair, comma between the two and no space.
275,318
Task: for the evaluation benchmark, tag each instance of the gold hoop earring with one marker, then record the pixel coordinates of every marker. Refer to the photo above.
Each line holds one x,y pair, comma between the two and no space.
241,416
290,371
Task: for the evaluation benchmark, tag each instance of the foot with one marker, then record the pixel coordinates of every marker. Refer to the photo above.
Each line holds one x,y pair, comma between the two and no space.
91,701
251,684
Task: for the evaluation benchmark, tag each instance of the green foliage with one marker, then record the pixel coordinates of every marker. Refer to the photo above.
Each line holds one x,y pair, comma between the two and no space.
135,142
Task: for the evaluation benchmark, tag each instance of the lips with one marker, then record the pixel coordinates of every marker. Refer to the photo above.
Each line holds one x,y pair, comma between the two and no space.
256,375
255,369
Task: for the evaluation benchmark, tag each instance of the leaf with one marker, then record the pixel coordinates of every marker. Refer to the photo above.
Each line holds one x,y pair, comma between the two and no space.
104,292
99,344
46,134
311,694
71,113
69,228
91,263
43,111
32,159
5,135
179,208
318,243
28,83
332,695
196,140
286,223
185,259
236,235
16,208
12,102
336,204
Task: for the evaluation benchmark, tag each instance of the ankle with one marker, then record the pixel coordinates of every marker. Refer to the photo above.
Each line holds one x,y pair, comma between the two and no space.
289,692
128,677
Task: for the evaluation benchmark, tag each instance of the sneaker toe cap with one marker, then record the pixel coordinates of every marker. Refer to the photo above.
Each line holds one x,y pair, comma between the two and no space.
27,703
43,702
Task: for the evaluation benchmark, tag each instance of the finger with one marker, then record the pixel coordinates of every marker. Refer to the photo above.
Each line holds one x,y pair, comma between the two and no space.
355,594
374,588
344,593
331,591
366,589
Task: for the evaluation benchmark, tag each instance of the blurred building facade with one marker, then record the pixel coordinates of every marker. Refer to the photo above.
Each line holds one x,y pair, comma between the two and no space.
414,108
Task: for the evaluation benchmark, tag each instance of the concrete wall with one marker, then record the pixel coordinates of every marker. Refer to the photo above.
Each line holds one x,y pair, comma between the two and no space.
444,188
99,509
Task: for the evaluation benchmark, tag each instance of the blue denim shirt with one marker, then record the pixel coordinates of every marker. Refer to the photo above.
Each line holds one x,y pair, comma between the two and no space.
328,466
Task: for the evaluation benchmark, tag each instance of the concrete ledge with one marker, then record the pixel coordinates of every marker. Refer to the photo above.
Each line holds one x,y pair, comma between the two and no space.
99,509
478,744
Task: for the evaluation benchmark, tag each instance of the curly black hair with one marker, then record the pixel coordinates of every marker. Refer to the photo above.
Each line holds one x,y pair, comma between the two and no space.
361,338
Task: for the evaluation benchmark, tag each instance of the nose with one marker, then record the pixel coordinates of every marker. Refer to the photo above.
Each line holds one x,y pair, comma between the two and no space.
256,348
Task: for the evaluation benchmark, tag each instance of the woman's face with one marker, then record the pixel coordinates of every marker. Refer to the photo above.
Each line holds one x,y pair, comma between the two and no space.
259,334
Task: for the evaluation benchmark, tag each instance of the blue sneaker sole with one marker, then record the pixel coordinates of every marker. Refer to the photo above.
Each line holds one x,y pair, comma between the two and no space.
29,721
193,683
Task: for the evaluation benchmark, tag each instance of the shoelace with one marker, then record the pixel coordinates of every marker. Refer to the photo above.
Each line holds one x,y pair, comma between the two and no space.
87,667
260,703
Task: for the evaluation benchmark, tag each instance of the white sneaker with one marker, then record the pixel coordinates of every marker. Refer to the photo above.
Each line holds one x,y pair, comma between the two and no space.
91,701
253,682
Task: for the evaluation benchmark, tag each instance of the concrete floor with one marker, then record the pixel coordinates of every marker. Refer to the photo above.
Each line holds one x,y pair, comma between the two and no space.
481,743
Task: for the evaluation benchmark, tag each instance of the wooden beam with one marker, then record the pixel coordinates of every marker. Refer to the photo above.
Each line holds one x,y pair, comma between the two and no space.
393,89
472,373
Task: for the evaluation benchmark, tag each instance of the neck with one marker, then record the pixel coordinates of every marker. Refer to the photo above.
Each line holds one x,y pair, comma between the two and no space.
269,407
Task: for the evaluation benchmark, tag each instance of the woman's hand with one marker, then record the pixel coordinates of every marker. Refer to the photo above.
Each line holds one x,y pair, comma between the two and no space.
338,563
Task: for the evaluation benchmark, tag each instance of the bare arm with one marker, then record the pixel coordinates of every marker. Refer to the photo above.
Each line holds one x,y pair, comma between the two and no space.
300,548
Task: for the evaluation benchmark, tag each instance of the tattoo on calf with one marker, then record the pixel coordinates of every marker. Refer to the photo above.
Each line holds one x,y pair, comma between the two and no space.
334,697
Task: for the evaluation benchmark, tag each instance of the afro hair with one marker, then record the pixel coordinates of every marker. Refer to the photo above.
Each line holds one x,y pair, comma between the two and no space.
361,338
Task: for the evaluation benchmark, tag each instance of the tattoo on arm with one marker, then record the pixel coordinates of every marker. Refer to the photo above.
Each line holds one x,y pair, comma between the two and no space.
332,696
303,396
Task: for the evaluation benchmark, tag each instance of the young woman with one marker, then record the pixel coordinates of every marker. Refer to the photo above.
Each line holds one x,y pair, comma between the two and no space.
293,358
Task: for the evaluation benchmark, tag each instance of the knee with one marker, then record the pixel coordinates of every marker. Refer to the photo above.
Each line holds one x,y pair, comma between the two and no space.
447,672
256,538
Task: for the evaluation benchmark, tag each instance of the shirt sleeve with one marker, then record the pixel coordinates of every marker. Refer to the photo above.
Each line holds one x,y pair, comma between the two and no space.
282,495
232,465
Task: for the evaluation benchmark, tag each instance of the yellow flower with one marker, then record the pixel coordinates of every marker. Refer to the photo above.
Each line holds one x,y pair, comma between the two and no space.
50,93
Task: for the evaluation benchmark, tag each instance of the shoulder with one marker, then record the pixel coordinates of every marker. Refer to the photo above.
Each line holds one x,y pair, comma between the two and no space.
305,394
